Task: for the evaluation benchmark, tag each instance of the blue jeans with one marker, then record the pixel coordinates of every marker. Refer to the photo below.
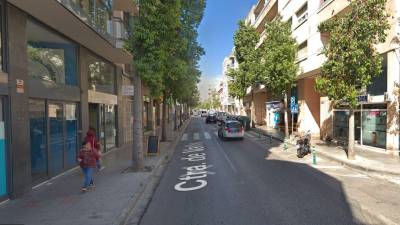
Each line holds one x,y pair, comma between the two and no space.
88,172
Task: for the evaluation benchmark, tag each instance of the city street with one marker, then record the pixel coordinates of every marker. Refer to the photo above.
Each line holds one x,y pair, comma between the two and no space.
232,182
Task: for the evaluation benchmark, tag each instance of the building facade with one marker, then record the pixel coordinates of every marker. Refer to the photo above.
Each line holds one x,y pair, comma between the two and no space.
63,70
376,119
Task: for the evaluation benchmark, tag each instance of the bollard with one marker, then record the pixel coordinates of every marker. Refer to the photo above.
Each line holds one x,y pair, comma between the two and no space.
314,156
270,139
285,145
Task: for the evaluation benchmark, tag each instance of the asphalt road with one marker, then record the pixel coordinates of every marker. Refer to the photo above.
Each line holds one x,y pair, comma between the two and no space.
210,181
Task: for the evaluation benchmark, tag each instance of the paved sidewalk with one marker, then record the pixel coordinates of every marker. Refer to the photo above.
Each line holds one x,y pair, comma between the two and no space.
379,164
60,201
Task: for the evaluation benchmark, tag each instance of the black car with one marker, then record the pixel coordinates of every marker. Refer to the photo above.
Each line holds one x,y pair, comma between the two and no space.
211,118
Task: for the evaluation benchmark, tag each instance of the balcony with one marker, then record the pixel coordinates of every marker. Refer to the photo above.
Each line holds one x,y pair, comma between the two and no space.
268,13
95,13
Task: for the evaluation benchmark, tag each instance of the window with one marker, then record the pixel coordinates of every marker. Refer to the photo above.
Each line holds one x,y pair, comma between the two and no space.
302,14
302,51
101,75
50,57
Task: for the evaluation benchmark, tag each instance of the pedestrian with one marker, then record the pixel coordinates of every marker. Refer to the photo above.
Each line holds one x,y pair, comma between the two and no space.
87,158
95,144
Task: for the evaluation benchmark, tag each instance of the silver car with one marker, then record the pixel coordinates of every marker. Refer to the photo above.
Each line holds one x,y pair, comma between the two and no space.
231,129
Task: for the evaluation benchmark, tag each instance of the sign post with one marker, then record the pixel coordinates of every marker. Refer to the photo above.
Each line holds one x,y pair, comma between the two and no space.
294,108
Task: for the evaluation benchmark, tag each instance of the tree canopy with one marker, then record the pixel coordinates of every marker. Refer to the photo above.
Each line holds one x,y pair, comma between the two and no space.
352,60
278,53
246,54
163,41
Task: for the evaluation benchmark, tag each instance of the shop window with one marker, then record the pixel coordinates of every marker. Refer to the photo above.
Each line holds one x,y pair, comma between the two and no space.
101,75
110,129
37,119
50,57
374,128
341,125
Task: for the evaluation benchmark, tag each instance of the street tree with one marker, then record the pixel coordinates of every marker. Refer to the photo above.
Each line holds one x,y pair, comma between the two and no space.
279,67
143,43
352,60
248,58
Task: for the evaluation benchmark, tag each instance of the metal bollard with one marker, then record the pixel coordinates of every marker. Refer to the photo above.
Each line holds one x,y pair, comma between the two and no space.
314,155
270,139
285,145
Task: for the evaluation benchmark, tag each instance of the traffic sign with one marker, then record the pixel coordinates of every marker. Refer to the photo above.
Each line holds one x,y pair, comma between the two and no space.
294,108
292,100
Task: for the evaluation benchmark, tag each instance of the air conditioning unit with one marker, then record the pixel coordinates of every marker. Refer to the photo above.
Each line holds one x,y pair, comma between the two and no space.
387,97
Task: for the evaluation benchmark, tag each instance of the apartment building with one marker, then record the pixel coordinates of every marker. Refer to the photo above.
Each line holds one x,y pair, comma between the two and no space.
376,119
63,70
228,103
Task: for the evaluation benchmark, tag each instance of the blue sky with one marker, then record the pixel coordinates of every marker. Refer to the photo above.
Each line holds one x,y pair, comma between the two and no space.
216,32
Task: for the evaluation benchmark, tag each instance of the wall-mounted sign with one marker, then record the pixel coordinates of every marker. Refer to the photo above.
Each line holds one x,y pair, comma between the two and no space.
362,98
20,86
128,90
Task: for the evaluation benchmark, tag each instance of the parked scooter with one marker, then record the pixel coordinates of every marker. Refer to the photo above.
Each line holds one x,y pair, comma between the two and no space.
303,145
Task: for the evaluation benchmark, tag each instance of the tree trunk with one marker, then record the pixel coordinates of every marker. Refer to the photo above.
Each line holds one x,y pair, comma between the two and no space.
152,117
164,119
252,111
286,115
175,125
137,151
350,144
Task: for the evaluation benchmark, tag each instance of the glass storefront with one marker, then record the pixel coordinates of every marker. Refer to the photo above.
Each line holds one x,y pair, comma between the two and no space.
369,125
60,127
101,75
374,128
37,114
110,131
3,154
50,57
103,119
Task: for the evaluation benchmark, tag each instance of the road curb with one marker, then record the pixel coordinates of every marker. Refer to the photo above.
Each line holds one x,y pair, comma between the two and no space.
136,207
371,171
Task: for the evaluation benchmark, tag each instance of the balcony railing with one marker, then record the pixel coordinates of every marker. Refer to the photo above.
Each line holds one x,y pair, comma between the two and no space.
95,19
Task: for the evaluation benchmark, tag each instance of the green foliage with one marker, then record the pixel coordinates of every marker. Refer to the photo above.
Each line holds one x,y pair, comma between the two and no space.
163,41
245,41
279,67
352,60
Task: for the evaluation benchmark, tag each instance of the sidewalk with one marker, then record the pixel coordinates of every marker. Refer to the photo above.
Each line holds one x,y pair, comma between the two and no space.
60,201
374,163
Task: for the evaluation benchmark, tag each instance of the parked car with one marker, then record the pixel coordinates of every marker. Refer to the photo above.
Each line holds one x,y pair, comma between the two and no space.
231,129
211,118
203,113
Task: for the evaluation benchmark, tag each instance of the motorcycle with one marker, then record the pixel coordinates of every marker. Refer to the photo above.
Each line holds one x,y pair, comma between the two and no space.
303,145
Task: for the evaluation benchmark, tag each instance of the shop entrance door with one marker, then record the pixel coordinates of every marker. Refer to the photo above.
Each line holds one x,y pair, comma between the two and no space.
96,121
56,138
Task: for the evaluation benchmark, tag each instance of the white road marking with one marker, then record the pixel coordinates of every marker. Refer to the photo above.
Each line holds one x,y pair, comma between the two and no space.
226,157
216,133
207,135
196,136
250,134
351,175
184,137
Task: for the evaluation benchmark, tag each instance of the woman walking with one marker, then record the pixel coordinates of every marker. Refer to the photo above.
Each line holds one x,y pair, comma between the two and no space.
87,159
